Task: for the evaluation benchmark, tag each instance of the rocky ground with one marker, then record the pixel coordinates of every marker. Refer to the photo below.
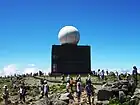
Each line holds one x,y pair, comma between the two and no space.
57,91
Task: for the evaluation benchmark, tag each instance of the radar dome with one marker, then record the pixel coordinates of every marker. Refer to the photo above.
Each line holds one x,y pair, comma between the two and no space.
69,35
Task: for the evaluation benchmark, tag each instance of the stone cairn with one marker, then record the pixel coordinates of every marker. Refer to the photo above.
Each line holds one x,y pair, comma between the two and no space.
120,89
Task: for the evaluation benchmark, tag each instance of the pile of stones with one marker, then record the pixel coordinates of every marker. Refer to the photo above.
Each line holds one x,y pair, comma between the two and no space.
119,89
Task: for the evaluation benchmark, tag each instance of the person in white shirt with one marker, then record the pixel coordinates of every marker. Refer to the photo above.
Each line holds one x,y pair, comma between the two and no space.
79,91
22,93
45,89
68,78
98,74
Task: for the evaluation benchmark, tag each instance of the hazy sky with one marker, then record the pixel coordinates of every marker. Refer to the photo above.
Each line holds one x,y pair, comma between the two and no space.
28,28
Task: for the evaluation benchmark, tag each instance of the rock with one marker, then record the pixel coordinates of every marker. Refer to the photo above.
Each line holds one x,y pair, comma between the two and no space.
59,102
137,91
104,94
125,86
115,84
1,99
136,94
121,96
134,101
65,97
128,97
102,102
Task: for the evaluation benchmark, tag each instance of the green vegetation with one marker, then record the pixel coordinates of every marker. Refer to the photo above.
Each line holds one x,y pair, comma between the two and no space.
58,88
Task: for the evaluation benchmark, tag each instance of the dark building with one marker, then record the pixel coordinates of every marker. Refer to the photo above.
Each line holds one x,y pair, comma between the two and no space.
70,59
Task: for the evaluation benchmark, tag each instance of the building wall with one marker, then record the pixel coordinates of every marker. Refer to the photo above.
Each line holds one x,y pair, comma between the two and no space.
70,59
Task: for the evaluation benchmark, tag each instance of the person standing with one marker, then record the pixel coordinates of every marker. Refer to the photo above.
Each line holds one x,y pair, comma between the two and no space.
22,92
102,75
88,80
90,91
79,91
5,94
67,86
71,84
107,72
62,78
45,89
117,75
98,74
134,74
68,78
78,78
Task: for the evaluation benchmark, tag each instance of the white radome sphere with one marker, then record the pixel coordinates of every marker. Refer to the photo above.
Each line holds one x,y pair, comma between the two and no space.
69,35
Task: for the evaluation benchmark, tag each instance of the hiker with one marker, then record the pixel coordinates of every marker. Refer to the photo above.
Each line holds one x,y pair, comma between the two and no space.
117,75
62,78
71,84
22,92
102,75
93,72
107,73
68,78
67,86
5,94
90,92
88,80
89,76
134,74
45,89
78,78
98,74
79,91
14,83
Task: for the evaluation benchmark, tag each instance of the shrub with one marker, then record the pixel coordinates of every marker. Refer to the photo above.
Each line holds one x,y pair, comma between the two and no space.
114,101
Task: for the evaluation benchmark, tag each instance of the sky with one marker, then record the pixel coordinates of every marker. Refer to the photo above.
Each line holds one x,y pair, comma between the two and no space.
28,29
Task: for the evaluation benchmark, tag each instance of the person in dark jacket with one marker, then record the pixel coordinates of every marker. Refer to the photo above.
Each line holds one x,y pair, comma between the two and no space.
88,80
102,74
90,91
135,73
62,78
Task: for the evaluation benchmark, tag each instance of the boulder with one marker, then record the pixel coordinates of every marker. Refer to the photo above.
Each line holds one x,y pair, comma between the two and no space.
116,84
59,102
134,101
102,102
121,96
136,94
125,87
104,94
65,97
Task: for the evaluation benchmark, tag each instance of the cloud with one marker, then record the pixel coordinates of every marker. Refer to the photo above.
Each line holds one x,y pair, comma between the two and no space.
31,65
32,68
10,70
